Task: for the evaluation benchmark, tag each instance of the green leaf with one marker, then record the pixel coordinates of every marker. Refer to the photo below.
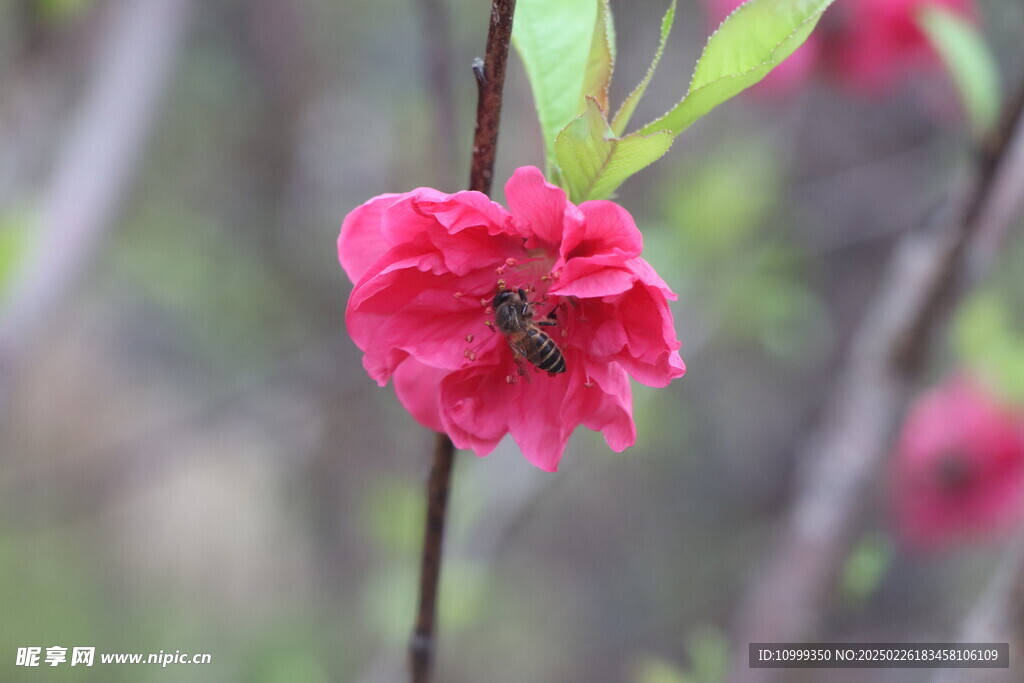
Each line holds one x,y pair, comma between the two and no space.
553,39
969,62
594,163
622,116
601,62
750,43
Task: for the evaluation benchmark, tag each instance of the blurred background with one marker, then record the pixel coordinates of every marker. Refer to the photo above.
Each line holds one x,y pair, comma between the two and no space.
193,458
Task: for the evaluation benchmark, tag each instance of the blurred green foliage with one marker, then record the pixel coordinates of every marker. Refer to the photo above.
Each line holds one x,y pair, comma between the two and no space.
988,332
750,278
15,238
970,62
63,10
865,567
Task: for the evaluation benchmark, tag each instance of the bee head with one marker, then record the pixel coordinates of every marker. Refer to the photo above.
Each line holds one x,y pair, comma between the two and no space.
504,296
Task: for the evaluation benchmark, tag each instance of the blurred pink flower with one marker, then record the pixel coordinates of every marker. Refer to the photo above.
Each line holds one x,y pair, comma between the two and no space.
427,266
869,46
878,42
959,467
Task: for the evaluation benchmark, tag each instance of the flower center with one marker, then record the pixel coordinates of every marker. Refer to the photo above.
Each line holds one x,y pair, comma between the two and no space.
528,276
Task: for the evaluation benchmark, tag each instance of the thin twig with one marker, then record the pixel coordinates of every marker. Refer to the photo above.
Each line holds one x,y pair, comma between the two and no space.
488,108
96,169
421,645
490,79
844,452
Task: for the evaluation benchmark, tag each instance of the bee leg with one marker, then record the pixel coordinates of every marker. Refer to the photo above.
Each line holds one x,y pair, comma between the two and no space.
550,321
522,371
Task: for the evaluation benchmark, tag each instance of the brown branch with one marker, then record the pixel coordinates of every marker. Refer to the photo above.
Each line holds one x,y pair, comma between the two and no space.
912,348
844,452
96,168
421,645
490,79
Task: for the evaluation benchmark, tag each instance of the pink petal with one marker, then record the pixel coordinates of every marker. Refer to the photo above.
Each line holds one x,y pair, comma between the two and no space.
635,330
360,242
418,388
538,423
418,313
607,407
405,221
466,230
607,228
538,207
586,279
646,273
464,210
473,407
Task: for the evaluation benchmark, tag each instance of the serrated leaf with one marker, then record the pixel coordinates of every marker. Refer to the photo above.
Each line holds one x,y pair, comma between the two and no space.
593,162
969,62
601,62
628,106
751,41
553,39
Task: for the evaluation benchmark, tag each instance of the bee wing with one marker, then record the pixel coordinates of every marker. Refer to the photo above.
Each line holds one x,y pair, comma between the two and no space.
524,345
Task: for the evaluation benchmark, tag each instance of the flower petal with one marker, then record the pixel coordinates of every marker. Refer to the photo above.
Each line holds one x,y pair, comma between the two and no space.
418,388
607,407
538,207
467,209
418,313
473,407
589,279
607,228
360,242
633,329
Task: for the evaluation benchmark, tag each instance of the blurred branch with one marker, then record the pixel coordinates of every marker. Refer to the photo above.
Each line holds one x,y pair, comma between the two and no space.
490,77
997,617
95,170
842,455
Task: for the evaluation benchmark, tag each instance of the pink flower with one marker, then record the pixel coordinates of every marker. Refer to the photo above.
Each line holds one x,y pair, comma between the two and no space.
959,467
427,267
869,46
878,42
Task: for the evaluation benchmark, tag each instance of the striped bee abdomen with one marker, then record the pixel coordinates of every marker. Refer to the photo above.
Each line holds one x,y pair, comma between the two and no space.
546,354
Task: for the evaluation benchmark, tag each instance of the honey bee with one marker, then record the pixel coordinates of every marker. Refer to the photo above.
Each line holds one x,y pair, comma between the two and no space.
513,317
